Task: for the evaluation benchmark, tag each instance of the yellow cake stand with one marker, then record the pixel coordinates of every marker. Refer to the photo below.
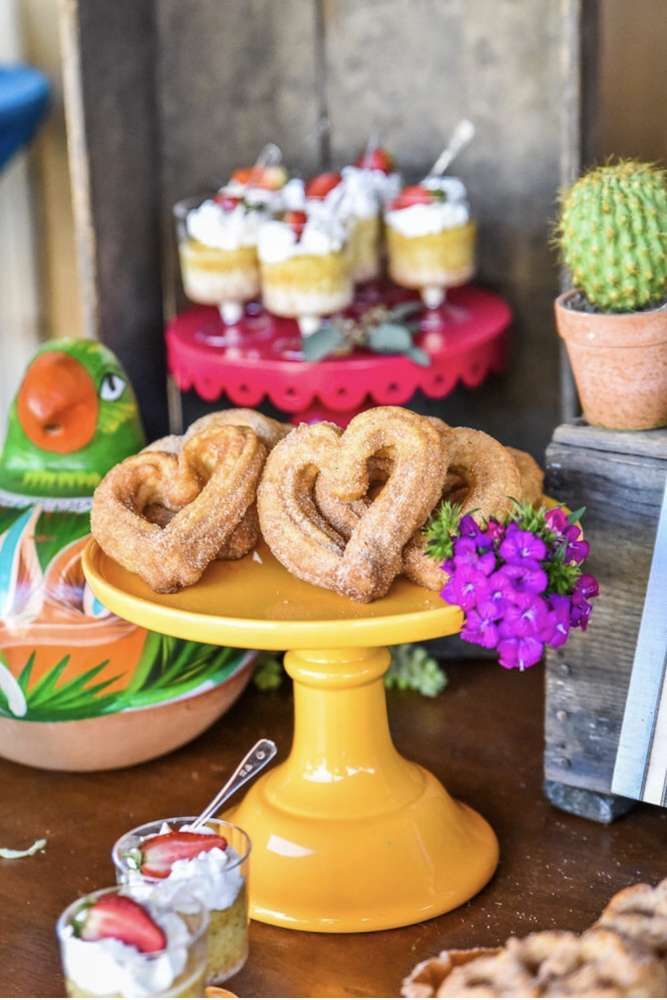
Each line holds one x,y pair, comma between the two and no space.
347,835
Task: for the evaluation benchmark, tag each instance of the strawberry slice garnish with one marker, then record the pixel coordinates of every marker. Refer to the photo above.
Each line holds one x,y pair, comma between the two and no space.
414,194
159,853
318,187
268,178
296,220
122,918
227,202
376,159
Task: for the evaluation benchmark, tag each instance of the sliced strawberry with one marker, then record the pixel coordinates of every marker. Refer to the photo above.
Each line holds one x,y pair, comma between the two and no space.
268,178
376,159
124,919
296,220
415,194
160,852
227,202
318,187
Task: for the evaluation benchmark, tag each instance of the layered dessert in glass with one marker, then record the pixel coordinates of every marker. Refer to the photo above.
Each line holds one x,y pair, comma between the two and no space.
121,942
431,238
371,184
210,863
217,239
305,268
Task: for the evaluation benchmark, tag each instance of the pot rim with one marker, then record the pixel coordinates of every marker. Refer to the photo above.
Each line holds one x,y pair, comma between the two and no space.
564,297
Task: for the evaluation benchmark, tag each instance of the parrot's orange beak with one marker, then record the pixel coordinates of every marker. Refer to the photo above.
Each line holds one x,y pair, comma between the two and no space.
57,403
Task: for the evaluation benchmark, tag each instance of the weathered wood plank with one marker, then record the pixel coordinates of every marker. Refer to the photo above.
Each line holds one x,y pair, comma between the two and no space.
412,73
587,681
109,77
231,77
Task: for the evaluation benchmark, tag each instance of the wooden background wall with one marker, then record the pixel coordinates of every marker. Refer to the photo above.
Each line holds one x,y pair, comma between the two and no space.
167,96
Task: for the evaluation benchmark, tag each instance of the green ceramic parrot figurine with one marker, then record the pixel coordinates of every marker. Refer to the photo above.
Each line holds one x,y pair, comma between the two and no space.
75,416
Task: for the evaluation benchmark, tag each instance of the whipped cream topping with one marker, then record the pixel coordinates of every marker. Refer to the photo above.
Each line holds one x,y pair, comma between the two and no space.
213,877
423,220
111,968
293,195
322,234
367,190
211,225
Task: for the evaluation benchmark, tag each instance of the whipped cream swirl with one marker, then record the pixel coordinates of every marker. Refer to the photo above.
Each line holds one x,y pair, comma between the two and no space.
211,225
323,233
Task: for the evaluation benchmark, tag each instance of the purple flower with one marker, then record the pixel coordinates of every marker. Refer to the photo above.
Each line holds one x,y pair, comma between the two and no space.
519,545
580,612
527,576
466,554
468,526
520,653
480,626
577,551
529,620
557,521
586,586
560,615
465,587
495,530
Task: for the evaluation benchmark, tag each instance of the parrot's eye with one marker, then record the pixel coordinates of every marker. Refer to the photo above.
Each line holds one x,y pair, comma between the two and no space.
112,387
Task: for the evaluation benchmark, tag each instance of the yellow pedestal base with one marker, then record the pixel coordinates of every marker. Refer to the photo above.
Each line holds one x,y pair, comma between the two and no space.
347,835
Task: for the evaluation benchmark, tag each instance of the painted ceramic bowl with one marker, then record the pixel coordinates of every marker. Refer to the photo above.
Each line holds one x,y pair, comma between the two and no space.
81,689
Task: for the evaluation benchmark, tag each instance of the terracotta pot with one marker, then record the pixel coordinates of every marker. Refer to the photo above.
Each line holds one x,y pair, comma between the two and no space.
620,364
121,739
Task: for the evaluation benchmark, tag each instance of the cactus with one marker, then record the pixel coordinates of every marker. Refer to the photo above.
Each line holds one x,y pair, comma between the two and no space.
613,235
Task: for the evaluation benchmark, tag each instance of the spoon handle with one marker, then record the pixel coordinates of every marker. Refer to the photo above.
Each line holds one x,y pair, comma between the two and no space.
461,136
253,762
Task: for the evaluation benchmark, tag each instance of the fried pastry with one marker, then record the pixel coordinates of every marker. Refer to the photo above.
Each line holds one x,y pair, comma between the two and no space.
207,488
363,565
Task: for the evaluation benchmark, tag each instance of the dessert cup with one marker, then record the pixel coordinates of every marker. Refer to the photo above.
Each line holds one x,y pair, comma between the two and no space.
305,274
431,238
110,968
218,254
220,884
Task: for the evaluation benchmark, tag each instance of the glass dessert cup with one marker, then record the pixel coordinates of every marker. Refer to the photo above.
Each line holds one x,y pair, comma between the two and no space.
364,248
215,276
225,896
307,287
109,968
432,262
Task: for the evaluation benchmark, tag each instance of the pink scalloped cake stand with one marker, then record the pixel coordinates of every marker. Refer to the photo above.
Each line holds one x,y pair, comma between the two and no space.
261,357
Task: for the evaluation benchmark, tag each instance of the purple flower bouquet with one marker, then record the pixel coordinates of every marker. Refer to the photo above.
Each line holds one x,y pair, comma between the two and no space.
520,583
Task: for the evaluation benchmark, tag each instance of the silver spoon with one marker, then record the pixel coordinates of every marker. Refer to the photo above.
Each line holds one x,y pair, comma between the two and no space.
461,136
253,762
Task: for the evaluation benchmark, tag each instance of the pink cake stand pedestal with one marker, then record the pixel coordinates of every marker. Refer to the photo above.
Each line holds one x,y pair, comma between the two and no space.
261,357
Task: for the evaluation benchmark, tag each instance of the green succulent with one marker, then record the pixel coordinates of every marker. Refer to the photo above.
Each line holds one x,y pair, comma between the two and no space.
612,234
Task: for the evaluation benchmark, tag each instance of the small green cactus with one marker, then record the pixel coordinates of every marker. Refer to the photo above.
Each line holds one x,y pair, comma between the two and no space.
613,235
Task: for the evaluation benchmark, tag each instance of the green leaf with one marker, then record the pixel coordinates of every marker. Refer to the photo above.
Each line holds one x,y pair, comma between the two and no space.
413,669
441,529
405,310
390,338
324,342
576,515
419,357
45,687
269,673
23,679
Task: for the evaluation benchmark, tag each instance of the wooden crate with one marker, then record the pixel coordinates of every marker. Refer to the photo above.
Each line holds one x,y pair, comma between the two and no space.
619,477
165,97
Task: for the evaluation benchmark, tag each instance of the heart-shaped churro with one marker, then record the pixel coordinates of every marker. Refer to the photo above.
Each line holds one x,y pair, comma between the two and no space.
245,536
364,565
206,489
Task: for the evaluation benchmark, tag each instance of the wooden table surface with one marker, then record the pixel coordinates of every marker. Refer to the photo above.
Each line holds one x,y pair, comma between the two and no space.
482,737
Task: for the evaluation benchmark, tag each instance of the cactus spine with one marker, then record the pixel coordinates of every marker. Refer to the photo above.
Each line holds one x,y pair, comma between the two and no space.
613,235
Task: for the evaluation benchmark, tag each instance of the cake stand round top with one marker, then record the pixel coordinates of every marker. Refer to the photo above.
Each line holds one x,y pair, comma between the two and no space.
255,603
262,357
